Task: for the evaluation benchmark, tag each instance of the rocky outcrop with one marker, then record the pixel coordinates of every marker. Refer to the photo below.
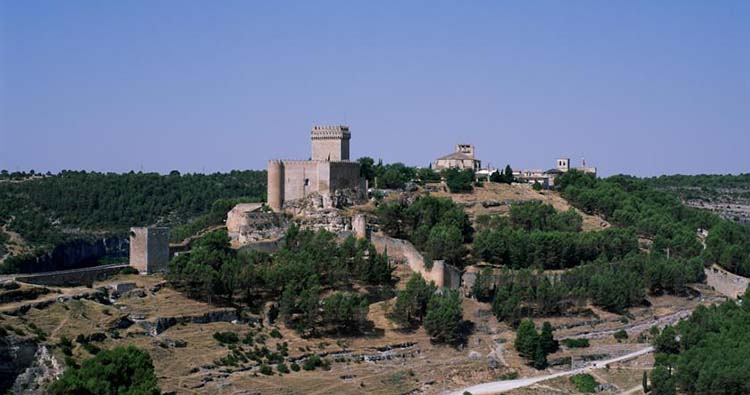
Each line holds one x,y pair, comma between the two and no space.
44,369
161,324
726,283
16,355
76,254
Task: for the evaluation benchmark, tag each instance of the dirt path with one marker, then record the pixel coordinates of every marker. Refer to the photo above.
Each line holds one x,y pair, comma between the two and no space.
497,387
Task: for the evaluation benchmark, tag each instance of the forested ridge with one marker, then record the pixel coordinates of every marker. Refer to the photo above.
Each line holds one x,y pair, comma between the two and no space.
46,210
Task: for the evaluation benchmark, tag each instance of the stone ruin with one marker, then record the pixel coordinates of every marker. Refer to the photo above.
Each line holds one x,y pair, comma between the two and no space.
251,222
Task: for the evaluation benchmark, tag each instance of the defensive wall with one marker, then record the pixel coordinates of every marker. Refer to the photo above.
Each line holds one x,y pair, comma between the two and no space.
444,275
726,283
72,278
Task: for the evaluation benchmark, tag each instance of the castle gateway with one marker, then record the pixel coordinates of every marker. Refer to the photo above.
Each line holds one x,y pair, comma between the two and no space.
329,169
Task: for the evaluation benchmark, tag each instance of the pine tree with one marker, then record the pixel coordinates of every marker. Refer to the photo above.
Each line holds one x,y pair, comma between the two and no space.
644,382
547,340
527,339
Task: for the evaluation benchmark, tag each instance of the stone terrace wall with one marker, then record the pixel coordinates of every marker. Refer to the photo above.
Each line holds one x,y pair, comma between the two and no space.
728,284
444,276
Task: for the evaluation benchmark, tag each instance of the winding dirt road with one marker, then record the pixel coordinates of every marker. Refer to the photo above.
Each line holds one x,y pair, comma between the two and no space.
497,387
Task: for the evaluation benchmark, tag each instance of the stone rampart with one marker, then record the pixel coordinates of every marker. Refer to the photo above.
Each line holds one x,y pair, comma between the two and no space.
726,283
444,275
72,278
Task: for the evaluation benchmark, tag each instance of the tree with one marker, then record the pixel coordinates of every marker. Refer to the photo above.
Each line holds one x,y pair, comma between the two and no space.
527,339
662,381
539,360
644,382
444,319
666,342
346,312
459,181
411,303
546,339
119,371
446,243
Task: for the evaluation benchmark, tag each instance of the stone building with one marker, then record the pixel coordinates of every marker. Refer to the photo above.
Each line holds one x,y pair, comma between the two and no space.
149,249
462,158
328,170
547,178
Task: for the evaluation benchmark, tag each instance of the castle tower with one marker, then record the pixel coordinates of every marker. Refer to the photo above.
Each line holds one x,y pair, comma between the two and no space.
330,143
275,191
149,249
563,164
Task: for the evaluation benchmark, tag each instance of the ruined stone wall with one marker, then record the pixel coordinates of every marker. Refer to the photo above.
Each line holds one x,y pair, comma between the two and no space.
444,276
72,278
726,283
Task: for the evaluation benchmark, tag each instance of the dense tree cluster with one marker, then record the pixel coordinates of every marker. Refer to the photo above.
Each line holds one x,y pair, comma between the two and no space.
120,371
437,226
459,181
535,215
504,177
613,286
518,248
535,346
44,210
705,354
440,312
307,263
661,216
394,175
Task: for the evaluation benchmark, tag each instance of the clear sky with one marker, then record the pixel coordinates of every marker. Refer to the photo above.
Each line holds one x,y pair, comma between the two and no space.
637,87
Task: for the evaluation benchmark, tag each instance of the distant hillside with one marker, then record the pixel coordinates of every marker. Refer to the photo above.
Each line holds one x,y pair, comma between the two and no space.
726,195
40,212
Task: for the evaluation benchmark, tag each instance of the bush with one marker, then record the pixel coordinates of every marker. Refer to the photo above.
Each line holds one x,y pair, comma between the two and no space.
576,343
282,368
294,367
226,337
129,270
584,383
265,369
621,335
276,334
312,362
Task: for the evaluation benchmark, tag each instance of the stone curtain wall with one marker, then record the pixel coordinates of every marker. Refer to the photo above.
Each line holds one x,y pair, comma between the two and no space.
72,278
728,284
444,276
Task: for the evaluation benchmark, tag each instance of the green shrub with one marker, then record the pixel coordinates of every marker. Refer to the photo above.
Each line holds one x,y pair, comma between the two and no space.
584,383
129,270
226,337
576,343
276,334
265,369
312,362
294,367
621,335
282,368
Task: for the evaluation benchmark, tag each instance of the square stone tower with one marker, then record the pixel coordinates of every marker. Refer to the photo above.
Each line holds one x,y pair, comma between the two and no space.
330,143
563,164
149,249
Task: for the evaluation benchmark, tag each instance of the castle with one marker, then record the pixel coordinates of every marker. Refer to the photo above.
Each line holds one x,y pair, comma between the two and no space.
328,170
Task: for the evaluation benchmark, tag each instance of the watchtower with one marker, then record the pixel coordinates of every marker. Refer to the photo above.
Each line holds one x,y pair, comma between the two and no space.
563,164
149,249
330,143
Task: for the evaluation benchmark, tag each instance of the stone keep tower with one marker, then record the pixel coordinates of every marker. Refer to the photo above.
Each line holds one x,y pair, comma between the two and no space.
149,249
330,143
563,164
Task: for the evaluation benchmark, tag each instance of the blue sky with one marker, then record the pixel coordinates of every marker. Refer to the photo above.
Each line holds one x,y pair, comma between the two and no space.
637,87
